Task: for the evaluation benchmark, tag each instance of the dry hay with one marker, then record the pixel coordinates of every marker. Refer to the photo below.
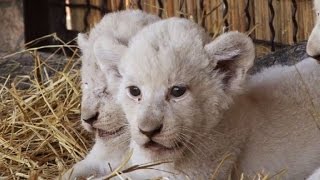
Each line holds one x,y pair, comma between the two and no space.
40,133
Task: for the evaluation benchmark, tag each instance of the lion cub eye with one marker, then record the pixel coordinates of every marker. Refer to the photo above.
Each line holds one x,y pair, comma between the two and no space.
178,91
134,92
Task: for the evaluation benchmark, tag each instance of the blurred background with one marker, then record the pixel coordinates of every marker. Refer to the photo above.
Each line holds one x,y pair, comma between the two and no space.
273,24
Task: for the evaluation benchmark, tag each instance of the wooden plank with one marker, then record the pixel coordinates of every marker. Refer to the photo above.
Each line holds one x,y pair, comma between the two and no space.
208,20
191,10
153,7
94,15
283,23
259,14
169,8
176,5
261,20
199,12
237,18
216,17
252,19
77,16
114,5
305,19
183,9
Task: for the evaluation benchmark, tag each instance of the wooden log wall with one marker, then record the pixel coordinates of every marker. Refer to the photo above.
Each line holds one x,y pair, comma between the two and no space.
243,15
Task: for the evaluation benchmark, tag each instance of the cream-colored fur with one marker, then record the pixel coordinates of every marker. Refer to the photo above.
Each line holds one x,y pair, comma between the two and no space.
313,47
267,121
315,175
112,138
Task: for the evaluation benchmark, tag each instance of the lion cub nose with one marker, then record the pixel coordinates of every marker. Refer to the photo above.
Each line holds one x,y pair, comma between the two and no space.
153,132
92,119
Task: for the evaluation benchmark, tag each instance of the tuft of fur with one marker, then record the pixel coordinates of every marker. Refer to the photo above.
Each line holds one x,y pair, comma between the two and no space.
224,119
313,48
112,138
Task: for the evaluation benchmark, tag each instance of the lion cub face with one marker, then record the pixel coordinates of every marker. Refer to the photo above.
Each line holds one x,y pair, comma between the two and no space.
100,111
175,85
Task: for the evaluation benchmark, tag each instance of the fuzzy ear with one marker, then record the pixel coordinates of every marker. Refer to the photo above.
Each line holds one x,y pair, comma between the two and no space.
108,52
232,54
82,41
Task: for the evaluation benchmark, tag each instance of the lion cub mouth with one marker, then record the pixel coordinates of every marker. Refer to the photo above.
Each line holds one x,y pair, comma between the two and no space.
156,147
109,134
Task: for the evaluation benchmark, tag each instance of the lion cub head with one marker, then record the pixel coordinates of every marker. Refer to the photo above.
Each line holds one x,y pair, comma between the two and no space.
176,83
99,110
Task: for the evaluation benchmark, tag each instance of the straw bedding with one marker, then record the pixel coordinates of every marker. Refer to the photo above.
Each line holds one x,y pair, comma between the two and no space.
40,135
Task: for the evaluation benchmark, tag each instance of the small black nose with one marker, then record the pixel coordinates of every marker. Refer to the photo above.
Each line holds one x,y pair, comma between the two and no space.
153,132
92,119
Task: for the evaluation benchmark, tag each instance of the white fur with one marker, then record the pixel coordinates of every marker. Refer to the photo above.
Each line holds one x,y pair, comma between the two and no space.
98,91
284,133
315,175
265,122
313,48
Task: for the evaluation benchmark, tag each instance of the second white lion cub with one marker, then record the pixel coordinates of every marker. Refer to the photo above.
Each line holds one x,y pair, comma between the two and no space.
189,101
100,113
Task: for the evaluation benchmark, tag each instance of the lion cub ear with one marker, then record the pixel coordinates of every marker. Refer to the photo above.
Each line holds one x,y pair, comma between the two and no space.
232,54
108,52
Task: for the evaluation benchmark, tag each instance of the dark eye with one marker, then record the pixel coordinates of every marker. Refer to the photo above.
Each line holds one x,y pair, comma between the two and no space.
177,91
134,91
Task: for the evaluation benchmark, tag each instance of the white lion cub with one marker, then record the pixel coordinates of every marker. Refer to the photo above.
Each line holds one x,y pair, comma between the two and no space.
99,111
187,100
